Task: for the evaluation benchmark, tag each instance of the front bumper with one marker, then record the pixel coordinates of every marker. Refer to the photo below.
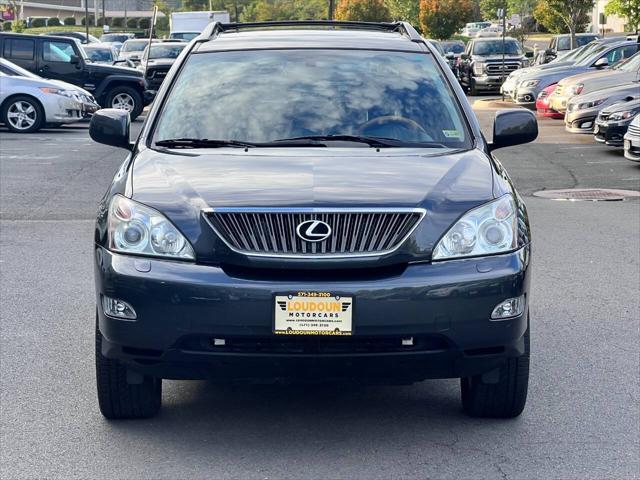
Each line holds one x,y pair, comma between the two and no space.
632,147
181,307
526,96
61,109
489,82
611,134
581,121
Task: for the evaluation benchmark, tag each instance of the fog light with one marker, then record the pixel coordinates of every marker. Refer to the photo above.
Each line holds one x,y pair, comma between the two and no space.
117,308
511,307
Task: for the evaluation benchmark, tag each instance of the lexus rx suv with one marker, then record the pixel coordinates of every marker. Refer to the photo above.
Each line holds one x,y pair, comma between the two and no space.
308,201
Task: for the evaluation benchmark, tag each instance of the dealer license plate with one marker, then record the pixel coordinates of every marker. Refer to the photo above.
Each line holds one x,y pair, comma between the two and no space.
313,313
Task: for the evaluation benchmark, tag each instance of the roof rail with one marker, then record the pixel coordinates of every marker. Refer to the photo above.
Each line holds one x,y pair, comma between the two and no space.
214,29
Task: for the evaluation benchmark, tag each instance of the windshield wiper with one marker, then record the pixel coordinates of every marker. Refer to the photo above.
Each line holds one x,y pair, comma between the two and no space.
201,143
377,142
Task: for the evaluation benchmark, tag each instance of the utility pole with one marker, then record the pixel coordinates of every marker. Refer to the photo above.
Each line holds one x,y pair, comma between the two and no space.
331,2
86,18
125,15
104,18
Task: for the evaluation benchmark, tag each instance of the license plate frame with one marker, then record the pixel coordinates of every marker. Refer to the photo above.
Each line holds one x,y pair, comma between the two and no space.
334,318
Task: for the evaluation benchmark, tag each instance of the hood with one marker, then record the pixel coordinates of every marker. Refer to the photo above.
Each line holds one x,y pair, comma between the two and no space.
113,70
445,184
605,98
497,58
622,106
605,79
619,92
70,86
553,75
158,62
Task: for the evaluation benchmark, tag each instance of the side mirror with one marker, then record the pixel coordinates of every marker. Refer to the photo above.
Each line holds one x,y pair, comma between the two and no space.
111,127
550,51
450,55
74,60
528,54
464,56
513,127
601,62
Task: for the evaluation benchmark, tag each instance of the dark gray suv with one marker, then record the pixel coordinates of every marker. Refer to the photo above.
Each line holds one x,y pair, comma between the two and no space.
308,201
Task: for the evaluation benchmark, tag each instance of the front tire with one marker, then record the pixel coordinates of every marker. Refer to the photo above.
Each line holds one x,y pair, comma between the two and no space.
23,114
504,399
126,98
119,399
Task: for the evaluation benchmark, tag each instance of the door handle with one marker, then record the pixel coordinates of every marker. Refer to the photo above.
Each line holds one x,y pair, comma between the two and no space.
45,68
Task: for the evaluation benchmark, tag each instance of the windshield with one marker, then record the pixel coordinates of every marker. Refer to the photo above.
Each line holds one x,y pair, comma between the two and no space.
454,47
588,57
99,54
564,43
188,36
134,45
494,47
269,95
571,55
114,37
632,64
166,51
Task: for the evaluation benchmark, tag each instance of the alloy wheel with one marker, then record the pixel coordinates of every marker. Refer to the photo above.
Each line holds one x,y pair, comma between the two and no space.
22,115
123,101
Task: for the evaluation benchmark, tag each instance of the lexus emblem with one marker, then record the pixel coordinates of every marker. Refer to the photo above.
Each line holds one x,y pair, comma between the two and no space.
313,231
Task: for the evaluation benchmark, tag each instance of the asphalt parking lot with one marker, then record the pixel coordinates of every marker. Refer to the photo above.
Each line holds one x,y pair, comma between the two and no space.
582,419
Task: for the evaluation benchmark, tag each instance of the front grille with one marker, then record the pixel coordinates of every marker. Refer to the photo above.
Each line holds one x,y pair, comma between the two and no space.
634,130
496,68
282,232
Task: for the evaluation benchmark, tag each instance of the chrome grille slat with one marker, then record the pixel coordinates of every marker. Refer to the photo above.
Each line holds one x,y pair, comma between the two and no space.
272,232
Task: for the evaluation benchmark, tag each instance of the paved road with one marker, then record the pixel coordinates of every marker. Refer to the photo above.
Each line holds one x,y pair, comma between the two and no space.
582,419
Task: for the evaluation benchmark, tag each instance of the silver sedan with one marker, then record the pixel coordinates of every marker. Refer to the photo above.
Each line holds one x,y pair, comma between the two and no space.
29,104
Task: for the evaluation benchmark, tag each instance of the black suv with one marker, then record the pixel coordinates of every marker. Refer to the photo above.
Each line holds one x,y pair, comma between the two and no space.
62,58
311,200
481,65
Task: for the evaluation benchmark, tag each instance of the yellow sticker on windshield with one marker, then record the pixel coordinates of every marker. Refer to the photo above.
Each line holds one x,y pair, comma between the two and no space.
452,133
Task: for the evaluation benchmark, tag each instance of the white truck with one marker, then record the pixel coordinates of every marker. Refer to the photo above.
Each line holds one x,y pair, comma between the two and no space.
188,25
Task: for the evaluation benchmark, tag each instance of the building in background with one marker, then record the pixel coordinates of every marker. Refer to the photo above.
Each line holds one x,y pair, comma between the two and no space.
75,8
613,23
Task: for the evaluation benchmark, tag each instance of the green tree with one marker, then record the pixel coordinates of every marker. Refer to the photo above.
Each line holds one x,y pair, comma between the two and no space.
629,9
442,18
572,13
363,10
405,10
263,10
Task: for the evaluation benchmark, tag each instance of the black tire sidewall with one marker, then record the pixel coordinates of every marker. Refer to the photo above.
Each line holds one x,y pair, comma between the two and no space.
135,95
40,120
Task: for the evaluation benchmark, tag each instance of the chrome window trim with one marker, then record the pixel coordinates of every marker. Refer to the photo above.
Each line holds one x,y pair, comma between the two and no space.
206,211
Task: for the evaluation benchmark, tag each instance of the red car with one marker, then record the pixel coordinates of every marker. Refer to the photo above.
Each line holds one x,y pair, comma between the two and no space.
542,103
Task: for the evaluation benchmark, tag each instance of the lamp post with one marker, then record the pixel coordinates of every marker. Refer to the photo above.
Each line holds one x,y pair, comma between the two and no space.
86,18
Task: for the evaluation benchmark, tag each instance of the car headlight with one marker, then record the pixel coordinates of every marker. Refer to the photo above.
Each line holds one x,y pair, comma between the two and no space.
525,63
58,91
490,228
575,89
627,114
585,105
141,230
529,83
478,68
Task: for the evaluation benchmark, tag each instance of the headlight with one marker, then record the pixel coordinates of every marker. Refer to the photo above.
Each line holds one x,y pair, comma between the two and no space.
575,89
585,105
478,68
490,228
136,228
627,114
529,83
525,63
57,91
